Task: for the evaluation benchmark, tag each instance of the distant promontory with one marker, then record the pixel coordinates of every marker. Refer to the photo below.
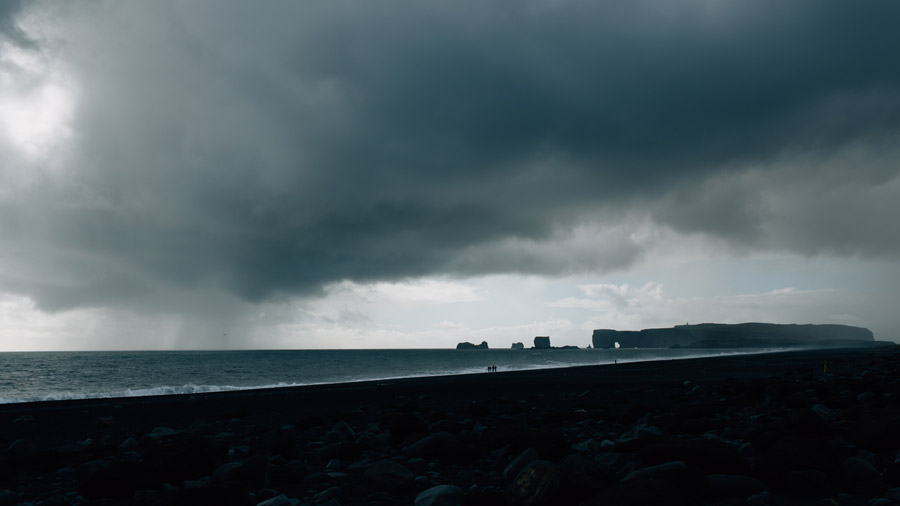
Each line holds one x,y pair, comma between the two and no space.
742,335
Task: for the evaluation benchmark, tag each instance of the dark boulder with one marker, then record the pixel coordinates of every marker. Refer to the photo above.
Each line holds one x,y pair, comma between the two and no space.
432,445
537,484
672,483
390,475
183,456
251,475
109,477
401,424
726,486
528,456
441,495
581,478
10,498
709,455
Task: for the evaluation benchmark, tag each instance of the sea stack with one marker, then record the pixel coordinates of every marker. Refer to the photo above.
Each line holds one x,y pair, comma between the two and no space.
470,346
542,343
518,346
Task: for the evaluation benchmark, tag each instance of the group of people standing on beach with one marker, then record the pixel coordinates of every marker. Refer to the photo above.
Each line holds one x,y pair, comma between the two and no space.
492,368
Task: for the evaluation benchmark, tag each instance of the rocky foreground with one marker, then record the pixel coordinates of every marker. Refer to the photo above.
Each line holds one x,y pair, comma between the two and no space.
760,430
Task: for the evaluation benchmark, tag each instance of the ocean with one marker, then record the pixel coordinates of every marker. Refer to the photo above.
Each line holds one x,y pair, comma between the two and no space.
51,376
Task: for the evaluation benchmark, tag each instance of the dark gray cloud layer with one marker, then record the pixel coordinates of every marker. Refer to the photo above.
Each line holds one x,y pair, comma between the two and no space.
270,149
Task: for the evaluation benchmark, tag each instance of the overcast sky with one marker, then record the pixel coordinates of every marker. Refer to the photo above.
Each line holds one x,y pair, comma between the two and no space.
299,174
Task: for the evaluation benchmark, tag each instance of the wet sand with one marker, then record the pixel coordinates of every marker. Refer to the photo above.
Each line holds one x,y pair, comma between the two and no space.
753,429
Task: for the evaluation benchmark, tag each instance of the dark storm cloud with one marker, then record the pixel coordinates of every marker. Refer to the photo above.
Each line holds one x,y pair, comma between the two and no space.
9,28
270,149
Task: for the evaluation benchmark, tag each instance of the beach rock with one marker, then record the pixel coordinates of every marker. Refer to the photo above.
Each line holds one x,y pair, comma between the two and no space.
52,498
581,478
19,451
891,474
202,482
344,428
183,456
806,482
10,498
763,499
327,495
280,442
550,445
129,444
316,479
223,472
672,483
672,471
724,486
613,463
440,495
65,474
645,431
590,446
537,484
865,396
279,500
808,423
798,454
446,425
860,471
390,474
401,424
827,415
877,432
225,494
710,455
347,450
309,422
878,461
334,436
366,441
526,457
288,473
110,477
893,494
77,447
252,474
430,446
639,436
160,432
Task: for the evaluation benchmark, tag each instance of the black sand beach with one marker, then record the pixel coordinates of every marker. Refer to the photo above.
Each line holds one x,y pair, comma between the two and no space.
757,429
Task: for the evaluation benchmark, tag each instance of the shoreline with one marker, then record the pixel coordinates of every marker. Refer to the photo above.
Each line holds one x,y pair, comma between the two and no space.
205,389
589,427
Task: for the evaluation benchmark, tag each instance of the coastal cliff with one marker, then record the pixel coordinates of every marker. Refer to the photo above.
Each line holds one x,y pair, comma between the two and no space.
719,335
